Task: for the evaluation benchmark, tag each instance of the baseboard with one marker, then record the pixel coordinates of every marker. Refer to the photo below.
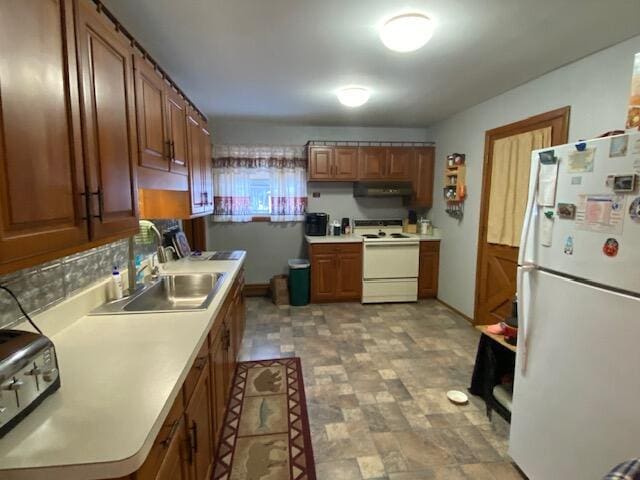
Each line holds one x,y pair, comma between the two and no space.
257,290
468,319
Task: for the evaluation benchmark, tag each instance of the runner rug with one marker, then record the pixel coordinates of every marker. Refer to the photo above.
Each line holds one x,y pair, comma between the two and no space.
266,435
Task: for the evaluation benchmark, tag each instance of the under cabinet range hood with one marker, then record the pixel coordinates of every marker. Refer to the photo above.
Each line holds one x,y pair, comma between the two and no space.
382,189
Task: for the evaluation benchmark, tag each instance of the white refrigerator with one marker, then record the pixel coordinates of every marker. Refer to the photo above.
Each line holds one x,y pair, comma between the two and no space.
576,403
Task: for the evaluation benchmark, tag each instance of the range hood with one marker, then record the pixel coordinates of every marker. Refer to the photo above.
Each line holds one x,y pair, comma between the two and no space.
382,189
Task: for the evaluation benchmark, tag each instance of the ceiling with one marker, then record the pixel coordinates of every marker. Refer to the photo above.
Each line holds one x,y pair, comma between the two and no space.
282,60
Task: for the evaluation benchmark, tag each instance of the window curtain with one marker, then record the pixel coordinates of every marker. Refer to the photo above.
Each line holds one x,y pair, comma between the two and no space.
510,184
276,173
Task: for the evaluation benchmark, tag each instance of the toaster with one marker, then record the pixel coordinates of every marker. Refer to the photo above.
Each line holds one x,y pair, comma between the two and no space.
28,374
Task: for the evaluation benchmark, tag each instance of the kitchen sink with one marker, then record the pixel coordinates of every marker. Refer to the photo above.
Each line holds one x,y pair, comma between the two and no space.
169,293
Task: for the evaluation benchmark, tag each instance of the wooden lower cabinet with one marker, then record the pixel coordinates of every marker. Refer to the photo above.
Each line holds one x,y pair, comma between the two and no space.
186,444
428,270
336,272
199,428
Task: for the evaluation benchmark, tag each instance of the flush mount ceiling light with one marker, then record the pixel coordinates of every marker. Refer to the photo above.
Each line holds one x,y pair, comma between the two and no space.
407,32
353,96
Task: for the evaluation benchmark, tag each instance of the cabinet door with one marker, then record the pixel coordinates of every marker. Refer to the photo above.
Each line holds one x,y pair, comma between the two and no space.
41,185
207,172
198,419
324,272
177,127
372,163
399,161
428,270
346,163
150,106
349,276
174,464
194,136
422,177
321,163
218,394
109,124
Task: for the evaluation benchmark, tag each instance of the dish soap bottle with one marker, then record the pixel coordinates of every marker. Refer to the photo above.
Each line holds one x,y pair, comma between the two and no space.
117,289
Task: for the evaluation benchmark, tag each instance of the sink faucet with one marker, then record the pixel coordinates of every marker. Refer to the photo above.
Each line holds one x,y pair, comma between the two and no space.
160,250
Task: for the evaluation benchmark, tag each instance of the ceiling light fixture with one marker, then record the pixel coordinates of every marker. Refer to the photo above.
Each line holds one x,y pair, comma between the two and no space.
407,32
353,96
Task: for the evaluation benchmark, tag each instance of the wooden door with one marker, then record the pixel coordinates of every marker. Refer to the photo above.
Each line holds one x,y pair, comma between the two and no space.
422,178
324,271
198,419
218,394
194,136
42,180
372,164
207,172
150,105
399,161
109,124
428,269
177,129
349,276
497,264
321,163
174,464
346,163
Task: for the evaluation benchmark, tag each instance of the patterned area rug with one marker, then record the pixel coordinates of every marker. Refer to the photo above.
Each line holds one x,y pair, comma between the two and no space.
266,429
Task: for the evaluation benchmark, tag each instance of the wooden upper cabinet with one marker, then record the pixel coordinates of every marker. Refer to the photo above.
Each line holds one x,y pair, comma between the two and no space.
399,162
177,129
109,124
321,163
195,145
422,177
41,184
150,104
372,163
207,172
345,163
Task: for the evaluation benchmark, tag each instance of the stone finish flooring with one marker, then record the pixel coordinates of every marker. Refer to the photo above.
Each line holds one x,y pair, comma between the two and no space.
375,378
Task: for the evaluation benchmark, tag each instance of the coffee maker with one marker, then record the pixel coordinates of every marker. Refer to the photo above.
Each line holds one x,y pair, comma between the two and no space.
315,224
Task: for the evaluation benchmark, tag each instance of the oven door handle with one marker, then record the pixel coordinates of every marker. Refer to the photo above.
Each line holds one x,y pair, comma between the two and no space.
392,243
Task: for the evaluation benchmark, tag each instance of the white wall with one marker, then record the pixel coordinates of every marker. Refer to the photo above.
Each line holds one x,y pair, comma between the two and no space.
268,245
597,89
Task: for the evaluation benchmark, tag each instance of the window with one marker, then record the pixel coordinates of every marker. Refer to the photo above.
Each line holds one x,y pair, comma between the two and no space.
260,196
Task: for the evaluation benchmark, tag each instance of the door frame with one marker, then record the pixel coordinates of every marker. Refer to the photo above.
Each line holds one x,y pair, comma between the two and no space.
558,119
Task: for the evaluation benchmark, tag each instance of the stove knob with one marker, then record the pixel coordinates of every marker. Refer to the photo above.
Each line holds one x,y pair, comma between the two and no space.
50,375
15,385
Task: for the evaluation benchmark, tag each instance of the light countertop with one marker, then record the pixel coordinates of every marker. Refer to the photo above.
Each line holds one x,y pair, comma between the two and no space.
358,239
120,376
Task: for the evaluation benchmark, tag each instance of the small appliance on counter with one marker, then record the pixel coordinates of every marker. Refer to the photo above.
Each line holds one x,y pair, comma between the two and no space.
315,224
346,226
336,229
28,374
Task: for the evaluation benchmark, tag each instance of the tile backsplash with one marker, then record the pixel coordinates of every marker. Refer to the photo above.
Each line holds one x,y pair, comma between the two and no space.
42,286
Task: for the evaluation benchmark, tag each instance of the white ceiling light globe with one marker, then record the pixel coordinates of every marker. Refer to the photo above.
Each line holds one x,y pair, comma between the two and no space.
353,96
406,33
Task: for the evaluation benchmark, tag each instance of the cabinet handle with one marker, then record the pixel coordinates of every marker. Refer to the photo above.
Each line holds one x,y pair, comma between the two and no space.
200,362
173,151
206,198
194,436
167,149
174,427
100,196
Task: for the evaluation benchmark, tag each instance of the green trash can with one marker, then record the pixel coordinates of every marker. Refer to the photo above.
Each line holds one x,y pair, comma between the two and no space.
299,280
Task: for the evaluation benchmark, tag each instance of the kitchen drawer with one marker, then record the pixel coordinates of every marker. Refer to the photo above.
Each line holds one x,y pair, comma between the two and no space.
429,246
158,451
325,248
197,368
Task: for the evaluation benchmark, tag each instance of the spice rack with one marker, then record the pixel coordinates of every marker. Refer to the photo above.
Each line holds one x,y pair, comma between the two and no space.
455,189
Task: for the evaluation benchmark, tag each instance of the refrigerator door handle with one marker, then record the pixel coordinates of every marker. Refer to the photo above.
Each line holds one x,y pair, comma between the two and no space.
523,317
528,214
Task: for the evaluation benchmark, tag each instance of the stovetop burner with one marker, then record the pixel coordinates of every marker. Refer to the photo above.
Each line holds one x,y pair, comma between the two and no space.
370,235
399,235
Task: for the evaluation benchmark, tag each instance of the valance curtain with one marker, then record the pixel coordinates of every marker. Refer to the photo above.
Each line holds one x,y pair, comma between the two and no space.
510,184
265,181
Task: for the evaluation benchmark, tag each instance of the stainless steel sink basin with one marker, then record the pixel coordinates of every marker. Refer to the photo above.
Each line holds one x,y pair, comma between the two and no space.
169,293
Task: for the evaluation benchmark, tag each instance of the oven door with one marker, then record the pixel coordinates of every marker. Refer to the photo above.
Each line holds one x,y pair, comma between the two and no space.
390,259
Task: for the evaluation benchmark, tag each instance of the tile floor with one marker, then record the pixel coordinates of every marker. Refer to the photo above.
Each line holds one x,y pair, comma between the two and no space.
375,378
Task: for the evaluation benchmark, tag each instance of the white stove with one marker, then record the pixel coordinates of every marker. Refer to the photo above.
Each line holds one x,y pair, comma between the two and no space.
390,261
